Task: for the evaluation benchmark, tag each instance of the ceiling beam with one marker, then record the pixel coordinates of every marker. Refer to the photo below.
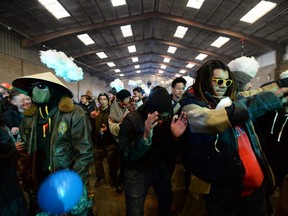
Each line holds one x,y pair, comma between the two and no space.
161,55
255,40
140,55
151,15
50,36
148,62
168,43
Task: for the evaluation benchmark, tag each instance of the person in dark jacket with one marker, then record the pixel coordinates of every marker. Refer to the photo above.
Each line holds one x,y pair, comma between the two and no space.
106,146
273,130
223,152
56,136
145,139
12,200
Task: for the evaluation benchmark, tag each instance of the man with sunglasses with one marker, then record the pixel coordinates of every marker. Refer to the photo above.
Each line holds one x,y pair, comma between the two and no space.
229,172
56,136
145,141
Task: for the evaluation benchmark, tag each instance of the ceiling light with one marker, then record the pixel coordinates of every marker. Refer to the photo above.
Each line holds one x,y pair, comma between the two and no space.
163,66
190,65
138,71
55,8
137,66
160,71
135,59
111,64
182,71
181,31
132,48
121,75
117,70
220,41
101,55
167,60
126,30
201,56
171,49
262,8
86,39
116,3
195,3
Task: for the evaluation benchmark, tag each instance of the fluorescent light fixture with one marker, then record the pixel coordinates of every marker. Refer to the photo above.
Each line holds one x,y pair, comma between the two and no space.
163,66
126,31
138,71
190,65
172,49
101,55
220,41
177,75
132,48
160,71
201,56
135,59
111,64
167,60
137,66
121,75
182,71
55,8
181,31
195,3
117,70
116,3
262,8
86,39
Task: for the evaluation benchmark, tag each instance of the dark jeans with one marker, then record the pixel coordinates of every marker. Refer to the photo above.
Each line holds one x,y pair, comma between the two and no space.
137,184
251,205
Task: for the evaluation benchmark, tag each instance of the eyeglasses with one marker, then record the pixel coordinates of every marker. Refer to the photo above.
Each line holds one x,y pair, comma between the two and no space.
226,82
164,116
40,85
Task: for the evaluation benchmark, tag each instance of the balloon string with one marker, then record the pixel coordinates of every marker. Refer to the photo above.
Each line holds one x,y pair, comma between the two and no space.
242,46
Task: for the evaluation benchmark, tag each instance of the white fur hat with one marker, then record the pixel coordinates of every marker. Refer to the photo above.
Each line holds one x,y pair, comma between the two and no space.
244,69
284,74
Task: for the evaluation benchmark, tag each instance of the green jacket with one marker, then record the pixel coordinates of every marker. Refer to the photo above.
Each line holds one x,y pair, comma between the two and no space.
71,145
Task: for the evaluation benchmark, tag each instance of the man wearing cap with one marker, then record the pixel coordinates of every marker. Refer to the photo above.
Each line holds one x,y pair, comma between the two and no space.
145,140
56,136
244,70
5,104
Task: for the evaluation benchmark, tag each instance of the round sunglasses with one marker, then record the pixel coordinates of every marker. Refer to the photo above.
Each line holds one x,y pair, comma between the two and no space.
226,82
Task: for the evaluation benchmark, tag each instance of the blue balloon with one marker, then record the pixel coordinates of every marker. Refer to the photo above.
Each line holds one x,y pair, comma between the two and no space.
60,192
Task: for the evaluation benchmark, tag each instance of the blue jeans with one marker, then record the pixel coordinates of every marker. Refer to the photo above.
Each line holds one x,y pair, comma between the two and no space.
137,184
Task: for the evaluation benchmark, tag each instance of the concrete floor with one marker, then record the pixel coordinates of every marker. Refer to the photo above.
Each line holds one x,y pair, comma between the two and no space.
107,202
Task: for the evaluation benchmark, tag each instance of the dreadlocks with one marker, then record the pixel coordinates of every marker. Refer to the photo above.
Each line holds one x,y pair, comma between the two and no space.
203,82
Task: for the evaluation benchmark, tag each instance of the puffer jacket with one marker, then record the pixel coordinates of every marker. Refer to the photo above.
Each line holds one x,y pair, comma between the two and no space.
212,148
70,142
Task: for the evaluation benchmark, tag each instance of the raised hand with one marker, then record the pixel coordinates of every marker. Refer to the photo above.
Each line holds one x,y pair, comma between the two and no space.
179,124
150,123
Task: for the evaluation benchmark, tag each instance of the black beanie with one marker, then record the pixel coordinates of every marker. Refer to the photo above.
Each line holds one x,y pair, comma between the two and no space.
121,95
112,91
103,94
159,100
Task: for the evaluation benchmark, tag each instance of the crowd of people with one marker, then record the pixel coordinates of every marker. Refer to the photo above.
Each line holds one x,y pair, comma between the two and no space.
227,135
